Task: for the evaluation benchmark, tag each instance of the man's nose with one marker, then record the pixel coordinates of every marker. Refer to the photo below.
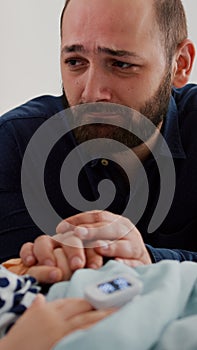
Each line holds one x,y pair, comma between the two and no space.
96,86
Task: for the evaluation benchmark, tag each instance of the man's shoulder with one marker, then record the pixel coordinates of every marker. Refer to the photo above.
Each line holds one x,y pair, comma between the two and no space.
186,98
42,107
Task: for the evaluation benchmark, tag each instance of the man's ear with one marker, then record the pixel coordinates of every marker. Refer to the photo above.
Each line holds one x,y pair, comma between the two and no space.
183,63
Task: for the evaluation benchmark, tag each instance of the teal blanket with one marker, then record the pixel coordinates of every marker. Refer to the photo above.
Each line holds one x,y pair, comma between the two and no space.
163,317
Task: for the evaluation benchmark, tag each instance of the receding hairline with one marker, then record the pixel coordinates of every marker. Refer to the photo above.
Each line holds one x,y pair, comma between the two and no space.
68,1
172,27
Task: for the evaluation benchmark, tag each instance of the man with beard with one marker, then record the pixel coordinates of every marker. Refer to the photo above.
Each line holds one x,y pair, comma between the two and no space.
130,53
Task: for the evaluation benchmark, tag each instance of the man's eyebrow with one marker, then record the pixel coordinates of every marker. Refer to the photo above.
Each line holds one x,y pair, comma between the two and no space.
73,48
107,50
118,53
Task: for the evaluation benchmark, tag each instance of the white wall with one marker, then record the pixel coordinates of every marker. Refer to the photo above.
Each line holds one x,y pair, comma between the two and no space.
29,48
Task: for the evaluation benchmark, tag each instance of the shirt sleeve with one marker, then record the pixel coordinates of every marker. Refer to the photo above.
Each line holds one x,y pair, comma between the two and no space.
158,254
16,295
16,225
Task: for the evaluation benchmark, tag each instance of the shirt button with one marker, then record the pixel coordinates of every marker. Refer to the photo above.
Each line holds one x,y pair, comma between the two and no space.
104,162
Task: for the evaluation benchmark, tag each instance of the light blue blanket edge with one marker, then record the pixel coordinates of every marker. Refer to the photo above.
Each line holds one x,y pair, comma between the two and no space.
164,317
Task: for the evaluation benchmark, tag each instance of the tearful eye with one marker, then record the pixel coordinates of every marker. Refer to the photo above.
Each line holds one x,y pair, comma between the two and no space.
121,64
75,64
72,62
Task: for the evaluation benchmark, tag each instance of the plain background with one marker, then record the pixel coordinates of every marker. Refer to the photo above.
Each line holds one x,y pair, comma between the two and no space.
29,51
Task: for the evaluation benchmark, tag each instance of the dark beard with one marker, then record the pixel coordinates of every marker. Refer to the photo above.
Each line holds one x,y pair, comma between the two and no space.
154,109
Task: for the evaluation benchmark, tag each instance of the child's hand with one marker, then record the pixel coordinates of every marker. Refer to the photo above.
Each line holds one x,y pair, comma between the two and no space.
45,323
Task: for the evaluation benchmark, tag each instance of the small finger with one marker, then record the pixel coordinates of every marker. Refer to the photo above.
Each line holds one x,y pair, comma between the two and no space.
43,249
27,254
62,264
46,274
73,249
93,259
39,300
88,319
73,307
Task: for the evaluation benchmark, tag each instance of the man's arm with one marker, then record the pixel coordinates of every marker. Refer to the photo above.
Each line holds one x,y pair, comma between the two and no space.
16,130
158,254
16,225
108,235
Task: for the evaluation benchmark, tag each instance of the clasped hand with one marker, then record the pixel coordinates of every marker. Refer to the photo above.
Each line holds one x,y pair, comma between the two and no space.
84,239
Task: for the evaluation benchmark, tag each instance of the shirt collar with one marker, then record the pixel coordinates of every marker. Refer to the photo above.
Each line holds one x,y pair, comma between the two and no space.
171,132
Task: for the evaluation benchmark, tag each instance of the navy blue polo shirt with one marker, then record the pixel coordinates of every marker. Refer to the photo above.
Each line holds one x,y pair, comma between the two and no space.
176,236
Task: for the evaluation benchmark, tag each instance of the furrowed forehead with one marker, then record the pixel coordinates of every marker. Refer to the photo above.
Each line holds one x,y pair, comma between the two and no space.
90,21
99,49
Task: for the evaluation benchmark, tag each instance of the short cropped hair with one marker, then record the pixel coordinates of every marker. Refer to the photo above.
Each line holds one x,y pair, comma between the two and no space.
62,15
171,20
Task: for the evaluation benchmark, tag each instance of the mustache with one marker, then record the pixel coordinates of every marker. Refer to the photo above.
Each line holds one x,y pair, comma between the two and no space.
136,122
98,107
118,116
104,108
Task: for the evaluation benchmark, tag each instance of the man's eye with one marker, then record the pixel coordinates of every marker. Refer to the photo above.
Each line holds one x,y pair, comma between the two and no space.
75,64
121,64
72,62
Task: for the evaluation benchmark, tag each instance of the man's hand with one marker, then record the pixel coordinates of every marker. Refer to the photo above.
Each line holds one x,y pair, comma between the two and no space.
48,252
66,251
82,240
108,235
